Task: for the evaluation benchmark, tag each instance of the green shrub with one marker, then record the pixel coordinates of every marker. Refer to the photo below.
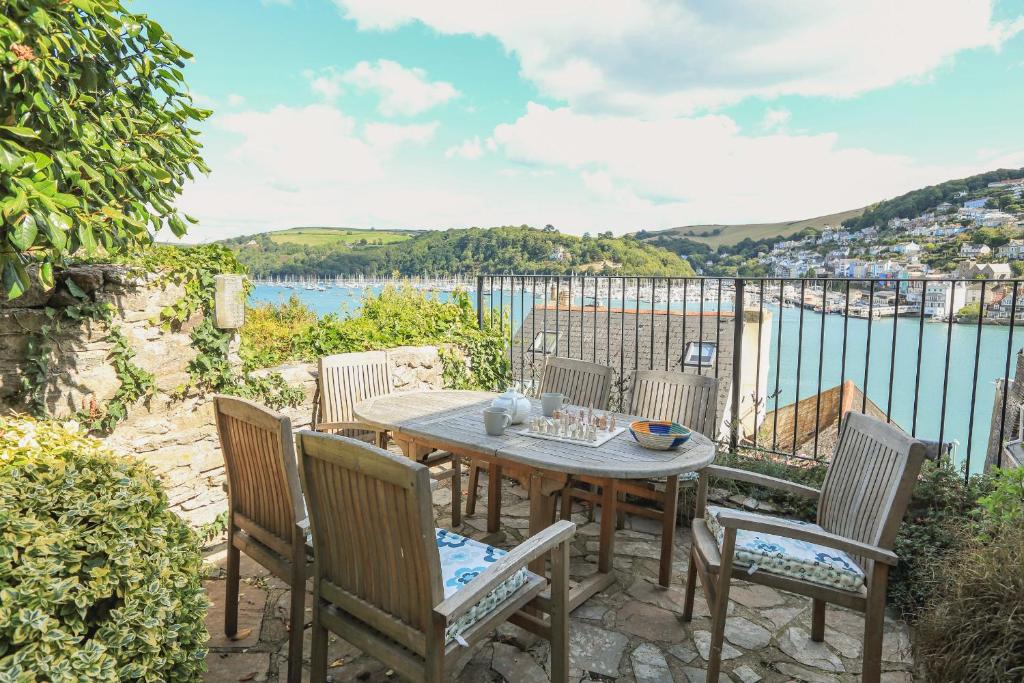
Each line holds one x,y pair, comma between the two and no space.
395,317
99,580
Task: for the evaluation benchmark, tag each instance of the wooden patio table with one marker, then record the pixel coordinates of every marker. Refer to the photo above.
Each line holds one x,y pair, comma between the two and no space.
421,421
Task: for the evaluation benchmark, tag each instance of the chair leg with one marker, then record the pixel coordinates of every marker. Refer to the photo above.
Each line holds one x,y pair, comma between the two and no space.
318,650
456,491
231,590
560,613
874,624
817,620
691,588
668,530
471,487
721,607
296,627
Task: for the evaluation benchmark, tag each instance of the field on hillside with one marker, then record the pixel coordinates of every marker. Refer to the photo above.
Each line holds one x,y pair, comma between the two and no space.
731,234
326,236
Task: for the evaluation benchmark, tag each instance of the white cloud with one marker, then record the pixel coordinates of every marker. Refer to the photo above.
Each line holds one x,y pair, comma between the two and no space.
235,100
326,82
387,136
402,91
667,57
775,118
705,169
467,149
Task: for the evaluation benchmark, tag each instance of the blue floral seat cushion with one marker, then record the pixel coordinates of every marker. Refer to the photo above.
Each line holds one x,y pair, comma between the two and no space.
462,560
790,557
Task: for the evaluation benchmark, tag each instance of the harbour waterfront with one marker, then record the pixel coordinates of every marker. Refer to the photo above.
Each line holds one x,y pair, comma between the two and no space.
896,397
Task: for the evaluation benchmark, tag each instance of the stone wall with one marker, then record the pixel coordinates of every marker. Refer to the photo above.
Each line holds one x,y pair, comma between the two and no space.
174,434
82,375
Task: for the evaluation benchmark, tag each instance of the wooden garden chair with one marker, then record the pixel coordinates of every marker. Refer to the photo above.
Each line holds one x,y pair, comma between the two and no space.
582,383
346,379
843,559
392,585
689,399
266,512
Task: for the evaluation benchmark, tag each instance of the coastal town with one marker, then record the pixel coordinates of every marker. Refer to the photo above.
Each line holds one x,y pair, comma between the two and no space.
956,249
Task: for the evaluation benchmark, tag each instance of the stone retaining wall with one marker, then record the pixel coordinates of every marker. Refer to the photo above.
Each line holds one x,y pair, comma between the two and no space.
174,434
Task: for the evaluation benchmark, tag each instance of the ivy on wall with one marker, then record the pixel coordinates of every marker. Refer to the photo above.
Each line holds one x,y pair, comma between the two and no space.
194,268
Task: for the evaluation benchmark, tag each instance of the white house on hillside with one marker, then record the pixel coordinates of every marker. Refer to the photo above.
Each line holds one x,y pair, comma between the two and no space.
969,250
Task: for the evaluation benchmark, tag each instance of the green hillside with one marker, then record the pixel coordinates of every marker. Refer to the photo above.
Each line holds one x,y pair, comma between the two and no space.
327,236
726,235
508,249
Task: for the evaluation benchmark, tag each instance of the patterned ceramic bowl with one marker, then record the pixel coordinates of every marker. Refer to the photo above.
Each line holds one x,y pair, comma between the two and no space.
659,435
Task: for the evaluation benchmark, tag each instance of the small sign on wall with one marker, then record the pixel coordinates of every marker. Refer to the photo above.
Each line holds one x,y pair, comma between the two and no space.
229,301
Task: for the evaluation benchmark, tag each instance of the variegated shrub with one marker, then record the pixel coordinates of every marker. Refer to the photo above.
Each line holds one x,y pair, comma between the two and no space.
99,580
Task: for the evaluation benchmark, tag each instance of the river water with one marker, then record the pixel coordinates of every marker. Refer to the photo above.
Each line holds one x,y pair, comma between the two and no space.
989,363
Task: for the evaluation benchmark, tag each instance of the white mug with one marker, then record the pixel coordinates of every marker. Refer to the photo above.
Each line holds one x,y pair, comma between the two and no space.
496,420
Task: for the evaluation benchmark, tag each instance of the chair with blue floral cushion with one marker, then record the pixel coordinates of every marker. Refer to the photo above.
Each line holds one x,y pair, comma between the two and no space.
844,558
415,597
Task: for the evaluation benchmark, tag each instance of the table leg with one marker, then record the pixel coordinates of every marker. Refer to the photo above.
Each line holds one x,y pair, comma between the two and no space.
606,550
493,498
543,491
668,530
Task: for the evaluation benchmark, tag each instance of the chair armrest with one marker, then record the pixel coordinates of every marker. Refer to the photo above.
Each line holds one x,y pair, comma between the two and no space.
760,480
517,558
734,519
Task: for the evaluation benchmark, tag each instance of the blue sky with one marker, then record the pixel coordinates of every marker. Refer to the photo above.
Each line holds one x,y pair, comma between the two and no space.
646,114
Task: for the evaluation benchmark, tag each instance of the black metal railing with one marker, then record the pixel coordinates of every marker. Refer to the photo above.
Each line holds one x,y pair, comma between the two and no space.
934,356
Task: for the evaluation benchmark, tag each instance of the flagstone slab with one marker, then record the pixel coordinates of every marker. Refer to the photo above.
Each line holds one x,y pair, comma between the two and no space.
252,602
746,634
649,665
650,623
595,649
249,667
517,666
702,639
804,674
797,643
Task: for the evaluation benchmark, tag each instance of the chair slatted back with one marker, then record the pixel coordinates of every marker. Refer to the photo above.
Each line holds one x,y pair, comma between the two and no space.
869,481
583,384
691,400
259,459
348,378
370,514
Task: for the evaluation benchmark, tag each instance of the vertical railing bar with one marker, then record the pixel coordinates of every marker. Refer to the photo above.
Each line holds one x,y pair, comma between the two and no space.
1006,375
686,319
568,324
799,362
512,325
821,360
974,384
737,361
700,333
622,343
945,378
842,366
718,328
778,371
757,369
583,318
892,355
480,301
867,347
544,349
920,349
636,328
608,328
668,318
653,303
522,330
594,340
558,313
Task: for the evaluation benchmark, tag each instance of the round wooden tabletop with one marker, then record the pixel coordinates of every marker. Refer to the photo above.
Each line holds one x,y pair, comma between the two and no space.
452,420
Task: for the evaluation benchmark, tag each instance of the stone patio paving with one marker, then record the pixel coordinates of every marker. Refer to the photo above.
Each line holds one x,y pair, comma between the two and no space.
630,632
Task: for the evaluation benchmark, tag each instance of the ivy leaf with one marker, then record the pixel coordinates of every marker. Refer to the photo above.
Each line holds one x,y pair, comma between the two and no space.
15,279
75,290
24,233
46,274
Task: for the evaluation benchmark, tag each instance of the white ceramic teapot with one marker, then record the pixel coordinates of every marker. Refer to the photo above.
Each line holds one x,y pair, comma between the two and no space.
515,404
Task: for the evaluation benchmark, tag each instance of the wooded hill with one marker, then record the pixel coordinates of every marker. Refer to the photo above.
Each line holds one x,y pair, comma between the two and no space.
466,250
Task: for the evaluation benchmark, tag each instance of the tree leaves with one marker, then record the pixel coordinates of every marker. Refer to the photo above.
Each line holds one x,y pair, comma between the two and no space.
97,135
23,234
